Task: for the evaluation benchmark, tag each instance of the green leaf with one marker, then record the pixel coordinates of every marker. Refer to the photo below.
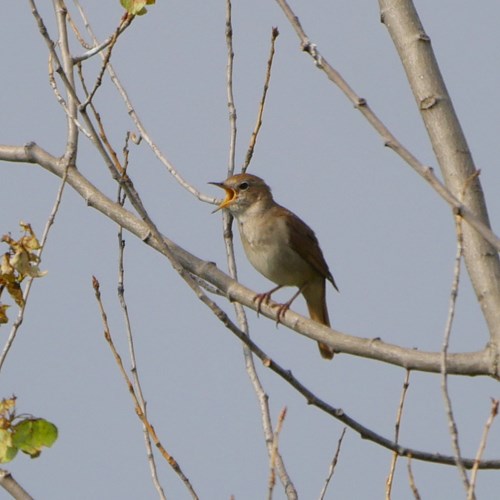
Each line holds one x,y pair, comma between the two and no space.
31,435
136,7
7,450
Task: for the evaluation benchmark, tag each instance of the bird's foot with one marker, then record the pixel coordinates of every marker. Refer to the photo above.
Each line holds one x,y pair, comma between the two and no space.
261,297
282,309
264,297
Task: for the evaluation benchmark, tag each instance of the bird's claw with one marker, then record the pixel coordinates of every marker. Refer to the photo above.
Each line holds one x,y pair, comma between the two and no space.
282,309
261,297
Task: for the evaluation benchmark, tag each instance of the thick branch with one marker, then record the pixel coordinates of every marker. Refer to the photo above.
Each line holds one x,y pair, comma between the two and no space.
12,486
451,149
475,363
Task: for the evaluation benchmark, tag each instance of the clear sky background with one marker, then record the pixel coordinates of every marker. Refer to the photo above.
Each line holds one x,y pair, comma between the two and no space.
388,238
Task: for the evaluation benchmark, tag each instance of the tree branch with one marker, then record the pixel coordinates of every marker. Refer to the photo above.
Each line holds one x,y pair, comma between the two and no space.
472,363
12,486
451,150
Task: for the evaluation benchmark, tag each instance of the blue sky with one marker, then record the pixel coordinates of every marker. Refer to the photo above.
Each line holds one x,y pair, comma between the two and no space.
388,238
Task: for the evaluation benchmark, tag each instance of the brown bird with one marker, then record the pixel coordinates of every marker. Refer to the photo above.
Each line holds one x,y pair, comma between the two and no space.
280,246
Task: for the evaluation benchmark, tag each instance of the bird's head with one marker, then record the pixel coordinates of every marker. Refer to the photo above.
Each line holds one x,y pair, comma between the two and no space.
243,191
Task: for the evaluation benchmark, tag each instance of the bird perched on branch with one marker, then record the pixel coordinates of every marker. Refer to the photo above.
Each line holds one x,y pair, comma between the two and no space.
280,246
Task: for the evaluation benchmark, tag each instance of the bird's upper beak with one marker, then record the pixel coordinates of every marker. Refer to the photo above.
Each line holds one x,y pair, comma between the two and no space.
230,195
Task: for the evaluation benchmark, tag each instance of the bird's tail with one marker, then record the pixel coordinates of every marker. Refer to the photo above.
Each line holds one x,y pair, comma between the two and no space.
315,295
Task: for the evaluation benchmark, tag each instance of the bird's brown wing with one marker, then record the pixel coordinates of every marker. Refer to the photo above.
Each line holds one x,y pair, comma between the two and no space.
304,242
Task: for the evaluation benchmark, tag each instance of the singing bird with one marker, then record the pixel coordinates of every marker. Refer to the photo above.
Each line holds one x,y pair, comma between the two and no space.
280,246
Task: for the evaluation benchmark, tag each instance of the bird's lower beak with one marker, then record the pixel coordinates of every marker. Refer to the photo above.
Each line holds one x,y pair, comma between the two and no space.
230,195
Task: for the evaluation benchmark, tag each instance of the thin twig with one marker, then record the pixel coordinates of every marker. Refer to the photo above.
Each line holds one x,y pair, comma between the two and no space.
67,69
185,264
253,139
477,363
274,453
68,82
60,99
138,123
389,139
397,426
452,426
333,464
43,240
143,418
79,36
411,480
135,373
97,48
339,413
125,21
482,446
233,130
262,397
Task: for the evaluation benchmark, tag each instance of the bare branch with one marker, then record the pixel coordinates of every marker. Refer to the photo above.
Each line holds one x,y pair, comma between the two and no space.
97,48
471,363
482,446
333,464
233,130
43,240
130,339
483,261
452,152
138,123
399,414
11,486
138,408
257,386
67,67
274,453
253,139
444,378
411,480
476,363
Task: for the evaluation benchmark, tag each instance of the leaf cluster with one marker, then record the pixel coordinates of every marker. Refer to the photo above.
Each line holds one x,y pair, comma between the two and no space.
21,260
21,432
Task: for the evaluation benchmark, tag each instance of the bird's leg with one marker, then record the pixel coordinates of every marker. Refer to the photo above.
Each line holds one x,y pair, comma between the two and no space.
264,297
283,308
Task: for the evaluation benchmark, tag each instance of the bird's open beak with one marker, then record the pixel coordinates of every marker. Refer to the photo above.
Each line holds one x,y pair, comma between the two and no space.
230,195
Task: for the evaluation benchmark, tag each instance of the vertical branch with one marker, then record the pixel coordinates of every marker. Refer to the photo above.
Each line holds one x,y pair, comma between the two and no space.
240,312
450,147
67,66
253,139
451,314
482,446
411,479
229,85
133,114
70,155
444,351
274,452
135,374
333,464
143,418
397,427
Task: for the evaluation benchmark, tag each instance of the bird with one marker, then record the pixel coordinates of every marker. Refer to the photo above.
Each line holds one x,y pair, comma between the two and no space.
280,246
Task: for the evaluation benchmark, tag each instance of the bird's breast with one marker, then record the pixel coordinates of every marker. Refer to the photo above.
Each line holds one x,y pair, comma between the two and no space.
267,248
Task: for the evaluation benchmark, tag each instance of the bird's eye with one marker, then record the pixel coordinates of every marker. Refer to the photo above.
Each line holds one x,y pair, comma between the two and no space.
243,186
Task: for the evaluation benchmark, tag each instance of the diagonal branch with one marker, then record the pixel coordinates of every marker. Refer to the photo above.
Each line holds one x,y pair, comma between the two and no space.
471,363
451,150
